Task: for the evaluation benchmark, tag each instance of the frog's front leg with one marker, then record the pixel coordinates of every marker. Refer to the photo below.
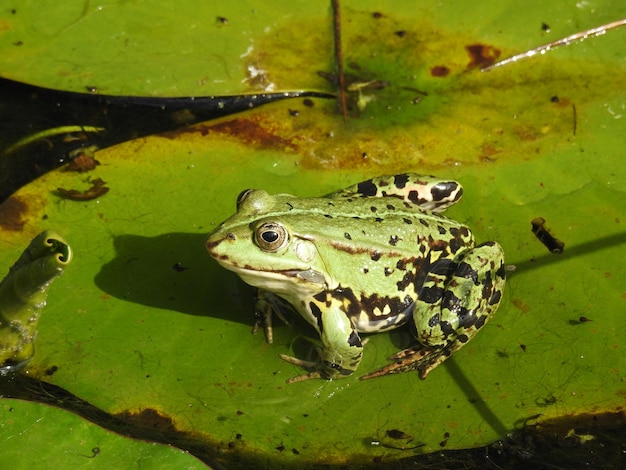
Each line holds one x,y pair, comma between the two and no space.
266,305
341,349
456,300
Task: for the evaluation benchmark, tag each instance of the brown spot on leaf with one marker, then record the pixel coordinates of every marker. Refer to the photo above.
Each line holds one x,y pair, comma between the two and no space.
82,163
252,132
440,71
481,55
12,213
96,190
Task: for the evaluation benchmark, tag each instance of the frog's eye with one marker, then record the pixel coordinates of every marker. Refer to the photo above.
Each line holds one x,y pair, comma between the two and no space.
271,237
242,196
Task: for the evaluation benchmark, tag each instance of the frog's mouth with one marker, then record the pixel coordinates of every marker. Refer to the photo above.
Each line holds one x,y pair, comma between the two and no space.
288,280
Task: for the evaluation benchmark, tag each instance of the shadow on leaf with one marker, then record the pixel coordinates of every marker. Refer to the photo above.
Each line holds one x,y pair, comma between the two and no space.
173,271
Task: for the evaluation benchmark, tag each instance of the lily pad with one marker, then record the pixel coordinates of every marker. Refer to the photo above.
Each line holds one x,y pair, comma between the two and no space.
31,437
144,321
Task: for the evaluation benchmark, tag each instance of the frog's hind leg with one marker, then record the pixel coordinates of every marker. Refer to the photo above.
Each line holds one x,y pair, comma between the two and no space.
426,192
457,299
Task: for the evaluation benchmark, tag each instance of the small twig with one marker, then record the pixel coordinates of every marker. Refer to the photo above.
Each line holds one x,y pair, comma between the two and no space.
593,32
339,57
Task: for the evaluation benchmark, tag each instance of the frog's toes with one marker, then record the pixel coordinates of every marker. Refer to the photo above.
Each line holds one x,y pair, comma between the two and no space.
415,358
314,374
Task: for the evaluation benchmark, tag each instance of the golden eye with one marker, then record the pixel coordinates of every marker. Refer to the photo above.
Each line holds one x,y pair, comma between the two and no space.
271,237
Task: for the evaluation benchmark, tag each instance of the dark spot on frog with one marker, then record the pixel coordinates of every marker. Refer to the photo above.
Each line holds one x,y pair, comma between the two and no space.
455,244
280,448
378,219
391,207
388,272
375,256
354,340
459,232
437,245
462,338
554,99
416,275
373,209
495,298
439,71
400,34
407,221
481,55
328,216
424,223
365,270
400,181
443,190
431,295
367,188
466,271
413,196
441,230
51,370
294,112
401,265
393,240
347,236
545,27
317,313
377,15
11,213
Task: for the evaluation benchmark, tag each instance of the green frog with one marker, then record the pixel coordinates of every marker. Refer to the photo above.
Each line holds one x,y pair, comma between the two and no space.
366,259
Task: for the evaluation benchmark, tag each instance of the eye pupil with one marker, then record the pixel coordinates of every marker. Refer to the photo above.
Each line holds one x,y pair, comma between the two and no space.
270,236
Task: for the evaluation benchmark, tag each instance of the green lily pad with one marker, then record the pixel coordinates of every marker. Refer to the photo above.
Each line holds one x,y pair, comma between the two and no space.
36,436
144,320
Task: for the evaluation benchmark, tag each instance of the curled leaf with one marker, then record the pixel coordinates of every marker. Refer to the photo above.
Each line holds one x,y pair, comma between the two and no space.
23,294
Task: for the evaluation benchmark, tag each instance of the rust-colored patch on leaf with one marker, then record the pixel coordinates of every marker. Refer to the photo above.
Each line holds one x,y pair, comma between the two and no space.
481,55
82,163
439,71
96,190
255,130
254,133
12,214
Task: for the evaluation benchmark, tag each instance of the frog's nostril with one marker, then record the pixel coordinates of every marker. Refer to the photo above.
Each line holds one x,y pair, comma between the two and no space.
231,236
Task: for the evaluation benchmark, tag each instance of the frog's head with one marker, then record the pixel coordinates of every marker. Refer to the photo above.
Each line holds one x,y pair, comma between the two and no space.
258,245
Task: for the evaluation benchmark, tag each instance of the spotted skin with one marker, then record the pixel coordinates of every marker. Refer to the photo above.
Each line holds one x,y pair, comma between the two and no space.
366,259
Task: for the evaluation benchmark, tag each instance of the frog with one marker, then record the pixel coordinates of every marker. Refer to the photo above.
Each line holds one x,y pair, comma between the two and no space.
366,259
